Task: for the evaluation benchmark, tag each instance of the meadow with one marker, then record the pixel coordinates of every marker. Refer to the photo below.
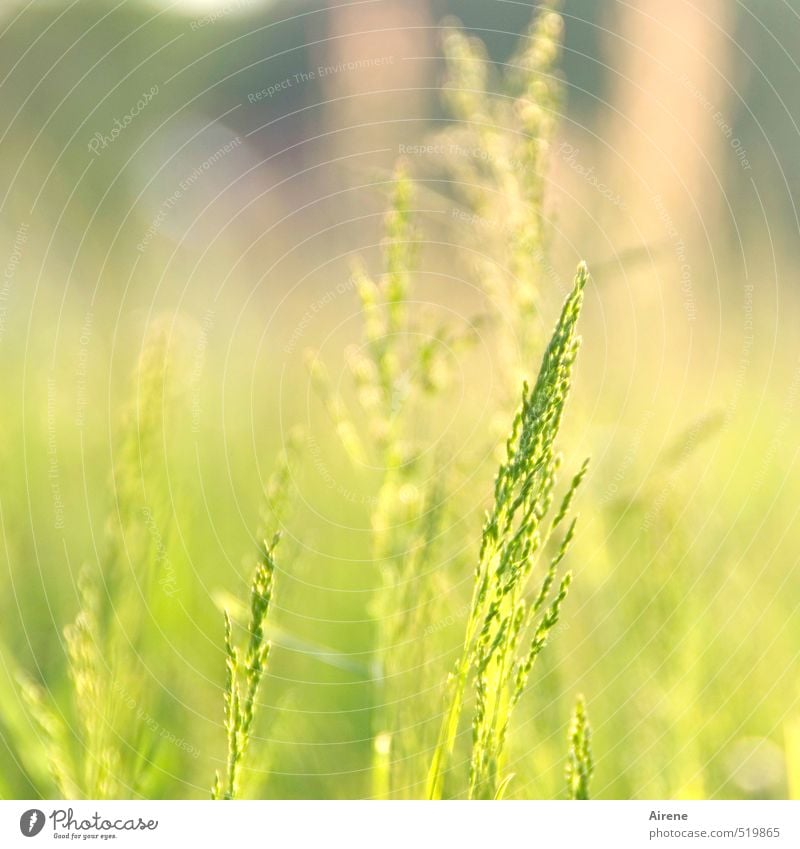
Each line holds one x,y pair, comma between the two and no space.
466,472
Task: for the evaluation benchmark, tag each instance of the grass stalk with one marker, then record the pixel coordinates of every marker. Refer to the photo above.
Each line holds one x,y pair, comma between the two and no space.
507,627
244,669
580,764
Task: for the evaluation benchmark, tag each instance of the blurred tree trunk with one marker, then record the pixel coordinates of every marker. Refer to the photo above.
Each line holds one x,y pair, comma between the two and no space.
670,64
375,75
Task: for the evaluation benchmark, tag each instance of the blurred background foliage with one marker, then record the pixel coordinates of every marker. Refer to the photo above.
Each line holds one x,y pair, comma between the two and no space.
225,215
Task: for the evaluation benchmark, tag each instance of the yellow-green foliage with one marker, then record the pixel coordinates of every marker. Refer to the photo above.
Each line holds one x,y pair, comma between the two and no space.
95,750
397,374
245,667
580,765
512,613
244,670
681,626
498,153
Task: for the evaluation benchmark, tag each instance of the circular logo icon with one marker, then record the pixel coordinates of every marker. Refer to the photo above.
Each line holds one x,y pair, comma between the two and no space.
31,822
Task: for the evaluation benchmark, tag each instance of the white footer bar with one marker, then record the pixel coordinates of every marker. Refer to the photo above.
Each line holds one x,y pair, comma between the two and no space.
403,825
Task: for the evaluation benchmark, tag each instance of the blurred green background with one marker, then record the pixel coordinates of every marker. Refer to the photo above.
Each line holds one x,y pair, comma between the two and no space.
247,169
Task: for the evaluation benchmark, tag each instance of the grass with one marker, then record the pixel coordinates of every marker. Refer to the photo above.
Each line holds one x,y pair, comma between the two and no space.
411,656
510,114
244,671
400,377
398,374
91,754
508,626
580,765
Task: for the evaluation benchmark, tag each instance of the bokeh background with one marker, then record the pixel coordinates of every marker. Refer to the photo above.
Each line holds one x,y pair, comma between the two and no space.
206,172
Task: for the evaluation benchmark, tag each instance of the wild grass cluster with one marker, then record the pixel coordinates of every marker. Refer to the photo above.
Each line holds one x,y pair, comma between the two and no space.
400,375
514,608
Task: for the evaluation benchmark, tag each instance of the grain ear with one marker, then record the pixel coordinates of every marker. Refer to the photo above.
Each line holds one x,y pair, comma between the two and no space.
580,765
506,630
